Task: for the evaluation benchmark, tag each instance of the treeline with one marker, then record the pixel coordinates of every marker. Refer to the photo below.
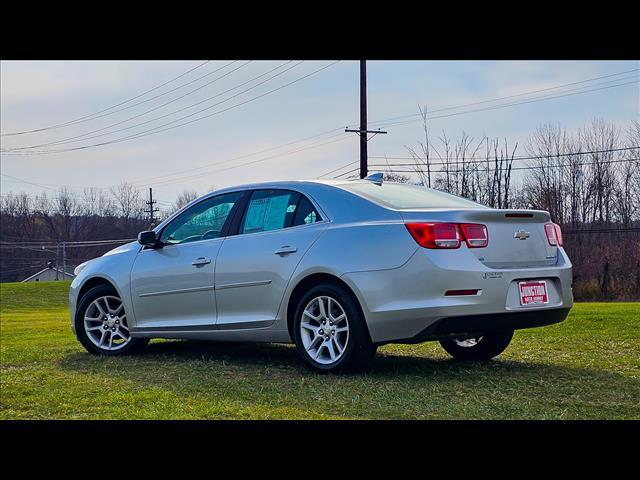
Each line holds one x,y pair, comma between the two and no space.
589,180
94,214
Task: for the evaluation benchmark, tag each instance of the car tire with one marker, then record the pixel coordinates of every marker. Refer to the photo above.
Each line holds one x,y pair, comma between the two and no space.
98,323
482,347
329,337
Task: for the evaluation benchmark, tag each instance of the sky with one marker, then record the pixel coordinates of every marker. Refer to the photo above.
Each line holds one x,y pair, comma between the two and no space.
216,152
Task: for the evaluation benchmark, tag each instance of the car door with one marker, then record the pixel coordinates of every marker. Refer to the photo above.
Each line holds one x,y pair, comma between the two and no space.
254,267
172,287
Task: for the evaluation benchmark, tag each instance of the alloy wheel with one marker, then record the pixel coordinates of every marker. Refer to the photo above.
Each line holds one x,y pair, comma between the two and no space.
324,329
105,323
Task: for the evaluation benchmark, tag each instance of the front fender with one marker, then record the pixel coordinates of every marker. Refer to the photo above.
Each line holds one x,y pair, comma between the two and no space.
113,267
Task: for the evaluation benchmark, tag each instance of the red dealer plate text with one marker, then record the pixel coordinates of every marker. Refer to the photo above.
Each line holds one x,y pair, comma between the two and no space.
533,293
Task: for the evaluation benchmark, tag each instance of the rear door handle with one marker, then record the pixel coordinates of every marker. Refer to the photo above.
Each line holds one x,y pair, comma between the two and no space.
285,250
200,261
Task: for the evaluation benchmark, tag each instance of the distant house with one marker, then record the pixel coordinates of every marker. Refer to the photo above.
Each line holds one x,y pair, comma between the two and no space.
48,275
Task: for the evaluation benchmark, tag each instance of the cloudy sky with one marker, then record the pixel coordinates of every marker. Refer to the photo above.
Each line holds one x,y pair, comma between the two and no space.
230,136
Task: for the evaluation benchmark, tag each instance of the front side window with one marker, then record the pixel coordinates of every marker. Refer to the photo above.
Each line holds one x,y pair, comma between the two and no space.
276,209
202,221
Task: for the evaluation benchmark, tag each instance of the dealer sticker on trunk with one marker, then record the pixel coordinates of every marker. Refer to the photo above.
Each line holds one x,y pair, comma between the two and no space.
533,293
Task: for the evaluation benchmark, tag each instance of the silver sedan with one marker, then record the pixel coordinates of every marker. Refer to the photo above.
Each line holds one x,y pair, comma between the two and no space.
336,267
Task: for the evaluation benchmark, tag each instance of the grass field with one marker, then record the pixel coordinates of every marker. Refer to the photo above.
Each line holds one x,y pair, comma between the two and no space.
585,367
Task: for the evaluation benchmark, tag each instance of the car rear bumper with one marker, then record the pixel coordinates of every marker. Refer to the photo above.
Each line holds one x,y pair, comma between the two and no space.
410,302
470,325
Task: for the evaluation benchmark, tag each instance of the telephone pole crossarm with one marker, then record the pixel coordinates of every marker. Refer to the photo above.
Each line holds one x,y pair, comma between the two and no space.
365,132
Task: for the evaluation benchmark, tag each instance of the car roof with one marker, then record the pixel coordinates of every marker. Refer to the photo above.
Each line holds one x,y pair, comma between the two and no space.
284,183
279,184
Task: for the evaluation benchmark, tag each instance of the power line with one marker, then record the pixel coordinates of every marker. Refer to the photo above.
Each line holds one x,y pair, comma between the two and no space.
512,96
495,107
348,172
339,168
471,163
44,246
51,187
278,155
533,167
41,185
501,98
493,159
108,108
208,165
324,133
159,129
79,138
68,242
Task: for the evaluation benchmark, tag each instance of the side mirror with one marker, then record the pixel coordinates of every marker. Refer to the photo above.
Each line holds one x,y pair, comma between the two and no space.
148,239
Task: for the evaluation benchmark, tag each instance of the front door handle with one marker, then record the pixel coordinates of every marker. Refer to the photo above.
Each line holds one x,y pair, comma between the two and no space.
285,250
200,261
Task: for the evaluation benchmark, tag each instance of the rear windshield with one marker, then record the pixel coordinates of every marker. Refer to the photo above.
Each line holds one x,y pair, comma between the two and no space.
404,196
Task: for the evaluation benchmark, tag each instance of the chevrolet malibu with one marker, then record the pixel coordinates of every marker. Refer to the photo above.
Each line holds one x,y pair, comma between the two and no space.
336,267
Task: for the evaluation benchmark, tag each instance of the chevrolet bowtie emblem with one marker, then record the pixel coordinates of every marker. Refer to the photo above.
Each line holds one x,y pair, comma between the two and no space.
521,235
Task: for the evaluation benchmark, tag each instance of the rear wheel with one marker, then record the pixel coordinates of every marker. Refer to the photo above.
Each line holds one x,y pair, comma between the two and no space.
330,331
101,324
482,347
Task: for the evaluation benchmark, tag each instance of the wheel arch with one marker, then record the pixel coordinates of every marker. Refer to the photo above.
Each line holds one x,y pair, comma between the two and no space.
94,282
314,279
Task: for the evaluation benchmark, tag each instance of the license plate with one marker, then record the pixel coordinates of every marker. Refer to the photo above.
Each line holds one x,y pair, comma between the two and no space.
533,293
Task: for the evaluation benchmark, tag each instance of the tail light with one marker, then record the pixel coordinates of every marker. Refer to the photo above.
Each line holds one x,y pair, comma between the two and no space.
435,235
449,235
554,234
475,235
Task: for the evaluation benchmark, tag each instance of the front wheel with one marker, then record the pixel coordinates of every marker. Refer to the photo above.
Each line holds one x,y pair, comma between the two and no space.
330,331
101,324
482,347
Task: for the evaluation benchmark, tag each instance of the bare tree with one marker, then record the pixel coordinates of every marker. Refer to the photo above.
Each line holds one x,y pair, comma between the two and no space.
185,197
129,203
422,156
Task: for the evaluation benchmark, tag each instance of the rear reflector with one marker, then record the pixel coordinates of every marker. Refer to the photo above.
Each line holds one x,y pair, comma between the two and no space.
554,234
450,293
435,235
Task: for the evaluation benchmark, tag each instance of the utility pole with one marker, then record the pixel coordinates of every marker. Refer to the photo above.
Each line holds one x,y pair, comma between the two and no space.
64,260
151,210
57,258
363,132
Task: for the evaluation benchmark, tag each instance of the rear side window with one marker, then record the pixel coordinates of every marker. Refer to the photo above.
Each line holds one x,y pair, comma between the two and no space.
276,209
305,212
404,196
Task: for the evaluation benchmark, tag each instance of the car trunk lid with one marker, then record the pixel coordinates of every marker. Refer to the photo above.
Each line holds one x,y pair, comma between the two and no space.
517,238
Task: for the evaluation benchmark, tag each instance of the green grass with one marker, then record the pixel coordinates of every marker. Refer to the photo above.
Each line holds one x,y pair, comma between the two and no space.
585,367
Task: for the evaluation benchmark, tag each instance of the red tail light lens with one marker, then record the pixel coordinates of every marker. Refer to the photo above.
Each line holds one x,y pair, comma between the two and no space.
435,235
475,234
554,234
